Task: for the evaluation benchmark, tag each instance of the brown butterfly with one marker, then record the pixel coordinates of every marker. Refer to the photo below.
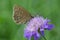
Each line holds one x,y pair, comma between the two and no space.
20,15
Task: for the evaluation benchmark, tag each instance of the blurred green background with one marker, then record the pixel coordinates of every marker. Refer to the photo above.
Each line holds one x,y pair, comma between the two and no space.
47,8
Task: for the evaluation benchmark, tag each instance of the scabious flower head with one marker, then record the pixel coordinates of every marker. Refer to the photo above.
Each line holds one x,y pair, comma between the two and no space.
35,24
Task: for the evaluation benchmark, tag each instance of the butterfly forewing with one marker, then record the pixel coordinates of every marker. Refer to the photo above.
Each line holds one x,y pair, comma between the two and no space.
20,15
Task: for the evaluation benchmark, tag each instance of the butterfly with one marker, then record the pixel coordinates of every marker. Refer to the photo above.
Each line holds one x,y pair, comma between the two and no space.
20,15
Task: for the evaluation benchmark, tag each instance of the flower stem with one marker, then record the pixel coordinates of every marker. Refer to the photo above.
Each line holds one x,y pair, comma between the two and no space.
43,36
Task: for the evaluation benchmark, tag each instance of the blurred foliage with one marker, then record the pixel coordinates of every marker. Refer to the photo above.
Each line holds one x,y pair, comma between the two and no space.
47,8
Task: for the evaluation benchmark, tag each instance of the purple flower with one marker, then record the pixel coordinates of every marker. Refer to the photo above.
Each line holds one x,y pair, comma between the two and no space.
35,24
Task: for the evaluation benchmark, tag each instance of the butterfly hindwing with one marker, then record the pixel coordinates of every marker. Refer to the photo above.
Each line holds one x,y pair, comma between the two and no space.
20,15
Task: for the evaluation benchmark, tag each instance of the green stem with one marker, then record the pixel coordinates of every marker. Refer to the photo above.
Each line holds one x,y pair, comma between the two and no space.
43,36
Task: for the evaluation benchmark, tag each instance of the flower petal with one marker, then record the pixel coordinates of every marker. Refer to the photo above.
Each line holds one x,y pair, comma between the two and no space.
27,34
50,26
36,36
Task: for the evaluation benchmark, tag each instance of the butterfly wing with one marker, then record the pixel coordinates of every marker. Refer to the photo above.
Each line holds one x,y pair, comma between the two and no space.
20,15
